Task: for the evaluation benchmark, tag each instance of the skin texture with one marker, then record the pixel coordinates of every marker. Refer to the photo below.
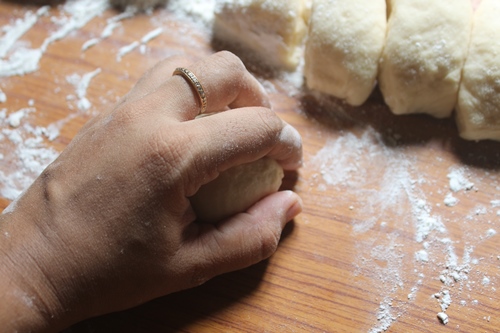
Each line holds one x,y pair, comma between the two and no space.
109,226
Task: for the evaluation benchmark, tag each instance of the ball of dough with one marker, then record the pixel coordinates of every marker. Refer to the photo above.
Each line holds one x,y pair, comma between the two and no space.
271,30
478,108
344,46
237,189
426,46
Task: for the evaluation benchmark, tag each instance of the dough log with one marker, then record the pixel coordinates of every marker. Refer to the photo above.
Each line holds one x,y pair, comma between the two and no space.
271,30
426,47
478,108
344,46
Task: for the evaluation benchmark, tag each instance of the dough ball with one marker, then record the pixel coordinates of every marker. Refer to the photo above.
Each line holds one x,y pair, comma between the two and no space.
237,189
426,46
270,30
344,46
478,108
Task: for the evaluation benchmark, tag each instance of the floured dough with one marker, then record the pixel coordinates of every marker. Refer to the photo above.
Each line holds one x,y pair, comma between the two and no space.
478,108
236,189
344,46
426,47
272,30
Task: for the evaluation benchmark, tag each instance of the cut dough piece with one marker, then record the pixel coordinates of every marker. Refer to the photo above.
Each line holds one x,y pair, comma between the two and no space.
271,30
478,108
344,46
237,189
426,47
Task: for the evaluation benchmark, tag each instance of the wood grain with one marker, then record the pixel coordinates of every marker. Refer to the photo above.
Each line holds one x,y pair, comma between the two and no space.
353,248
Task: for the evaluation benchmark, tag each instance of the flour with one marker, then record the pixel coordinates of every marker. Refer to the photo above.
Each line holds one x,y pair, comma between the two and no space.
24,60
458,181
3,97
29,154
112,23
13,32
132,46
399,193
14,119
81,84
491,233
450,200
200,12
495,203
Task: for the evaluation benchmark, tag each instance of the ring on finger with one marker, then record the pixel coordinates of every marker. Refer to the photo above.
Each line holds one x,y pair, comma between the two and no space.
195,83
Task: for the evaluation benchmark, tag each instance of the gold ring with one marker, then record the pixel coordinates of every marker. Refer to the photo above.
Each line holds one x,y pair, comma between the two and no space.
195,83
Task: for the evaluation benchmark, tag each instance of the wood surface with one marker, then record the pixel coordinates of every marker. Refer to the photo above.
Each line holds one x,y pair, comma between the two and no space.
352,250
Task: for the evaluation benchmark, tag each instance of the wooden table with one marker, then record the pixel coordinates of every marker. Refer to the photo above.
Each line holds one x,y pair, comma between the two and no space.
376,247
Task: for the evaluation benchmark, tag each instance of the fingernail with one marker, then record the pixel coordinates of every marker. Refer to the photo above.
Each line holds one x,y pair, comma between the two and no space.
295,208
290,135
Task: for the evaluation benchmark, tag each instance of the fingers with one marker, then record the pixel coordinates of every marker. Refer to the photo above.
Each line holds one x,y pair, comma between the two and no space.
156,76
246,238
225,80
223,140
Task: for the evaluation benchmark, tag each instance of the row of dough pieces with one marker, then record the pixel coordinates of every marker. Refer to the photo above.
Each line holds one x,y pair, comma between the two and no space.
427,56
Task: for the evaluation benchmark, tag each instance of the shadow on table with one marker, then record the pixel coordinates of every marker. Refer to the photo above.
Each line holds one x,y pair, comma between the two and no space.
175,312
399,130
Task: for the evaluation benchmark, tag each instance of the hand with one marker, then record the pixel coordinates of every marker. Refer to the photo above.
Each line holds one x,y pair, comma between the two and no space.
109,226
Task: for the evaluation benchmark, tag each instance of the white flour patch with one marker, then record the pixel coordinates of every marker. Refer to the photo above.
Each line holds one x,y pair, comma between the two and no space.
27,155
3,97
393,187
13,32
112,24
491,233
142,44
14,119
200,12
81,84
76,14
450,200
458,181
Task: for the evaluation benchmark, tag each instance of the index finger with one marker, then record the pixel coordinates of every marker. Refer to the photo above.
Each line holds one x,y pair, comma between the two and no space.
225,81
235,137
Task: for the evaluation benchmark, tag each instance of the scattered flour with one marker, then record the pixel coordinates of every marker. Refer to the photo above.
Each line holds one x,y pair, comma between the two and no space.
81,84
76,15
112,24
3,97
458,181
450,200
28,153
196,11
13,32
135,44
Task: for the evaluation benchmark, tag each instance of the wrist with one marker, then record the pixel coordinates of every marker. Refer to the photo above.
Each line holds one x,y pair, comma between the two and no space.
30,301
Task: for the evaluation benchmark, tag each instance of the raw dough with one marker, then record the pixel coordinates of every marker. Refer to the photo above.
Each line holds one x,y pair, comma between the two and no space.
237,189
478,108
344,46
272,30
426,47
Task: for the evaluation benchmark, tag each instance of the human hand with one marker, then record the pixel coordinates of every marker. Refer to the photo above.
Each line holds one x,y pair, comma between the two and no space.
109,225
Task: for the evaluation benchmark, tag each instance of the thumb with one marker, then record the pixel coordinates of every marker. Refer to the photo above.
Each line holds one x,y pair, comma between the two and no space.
246,238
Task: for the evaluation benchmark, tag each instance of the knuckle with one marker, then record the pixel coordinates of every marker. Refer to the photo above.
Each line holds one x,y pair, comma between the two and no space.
270,238
231,63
